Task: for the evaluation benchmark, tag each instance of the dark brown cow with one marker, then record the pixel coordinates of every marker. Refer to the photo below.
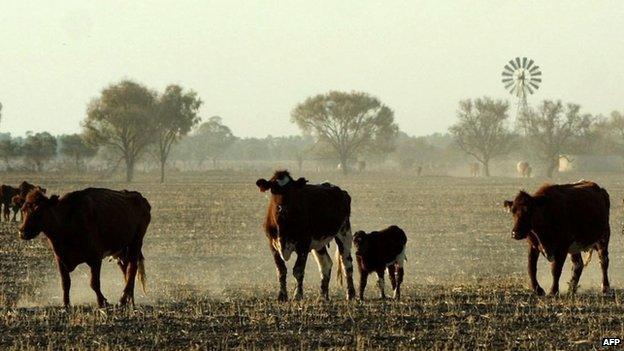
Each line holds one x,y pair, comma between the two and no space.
377,251
302,217
7,193
25,187
88,225
563,219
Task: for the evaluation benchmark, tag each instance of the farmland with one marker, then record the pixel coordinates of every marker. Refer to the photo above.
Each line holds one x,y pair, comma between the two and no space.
212,284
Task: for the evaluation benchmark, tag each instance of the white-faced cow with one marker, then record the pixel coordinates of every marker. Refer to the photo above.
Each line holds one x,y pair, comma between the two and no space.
559,220
88,225
303,218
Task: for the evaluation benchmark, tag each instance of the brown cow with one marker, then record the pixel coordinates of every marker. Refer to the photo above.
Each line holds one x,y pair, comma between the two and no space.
475,168
7,193
302,217
88,225
377,251
25,187
563,219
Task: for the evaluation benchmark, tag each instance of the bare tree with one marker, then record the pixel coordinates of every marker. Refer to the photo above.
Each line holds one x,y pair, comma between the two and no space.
551,129
481,131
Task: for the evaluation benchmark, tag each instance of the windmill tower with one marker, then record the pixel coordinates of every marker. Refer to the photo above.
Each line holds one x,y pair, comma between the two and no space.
521,77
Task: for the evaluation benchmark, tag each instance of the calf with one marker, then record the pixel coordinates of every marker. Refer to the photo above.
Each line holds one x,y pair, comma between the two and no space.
7,193
380,250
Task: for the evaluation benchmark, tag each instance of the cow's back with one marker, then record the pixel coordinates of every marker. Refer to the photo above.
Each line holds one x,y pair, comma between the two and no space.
326,206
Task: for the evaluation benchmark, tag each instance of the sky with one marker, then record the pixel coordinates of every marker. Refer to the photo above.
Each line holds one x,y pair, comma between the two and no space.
251,62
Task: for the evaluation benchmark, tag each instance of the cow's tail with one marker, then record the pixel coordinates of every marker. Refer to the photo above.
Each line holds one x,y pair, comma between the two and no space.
141,274
340,271
588,258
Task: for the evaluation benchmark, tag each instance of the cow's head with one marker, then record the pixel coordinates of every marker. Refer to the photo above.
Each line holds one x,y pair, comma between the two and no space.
17,201
37,211
523,209
286,209
360,243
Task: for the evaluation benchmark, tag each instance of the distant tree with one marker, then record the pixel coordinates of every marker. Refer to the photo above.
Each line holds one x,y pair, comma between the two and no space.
551,129
212,139
412,152
75,148
38,149
9,149
123,117
350,122
481,131
177,114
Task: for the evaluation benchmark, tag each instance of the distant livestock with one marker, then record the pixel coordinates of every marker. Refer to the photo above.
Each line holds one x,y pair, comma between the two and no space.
475,168
563,219
378,251
524,169
88,225
7,193
302,218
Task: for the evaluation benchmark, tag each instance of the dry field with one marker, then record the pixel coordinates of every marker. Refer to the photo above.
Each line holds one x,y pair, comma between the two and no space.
212,284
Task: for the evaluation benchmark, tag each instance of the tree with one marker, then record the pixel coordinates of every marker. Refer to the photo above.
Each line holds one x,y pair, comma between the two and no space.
551,129
177,114
481,131
350,122
123,117
75,147
39,148
212,139
9,149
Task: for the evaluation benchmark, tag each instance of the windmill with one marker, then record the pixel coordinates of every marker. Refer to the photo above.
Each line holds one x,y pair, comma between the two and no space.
521,77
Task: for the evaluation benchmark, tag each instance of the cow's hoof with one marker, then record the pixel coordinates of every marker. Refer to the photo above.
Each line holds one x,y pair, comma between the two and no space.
282,297
298,296
539,291
103,304
606,290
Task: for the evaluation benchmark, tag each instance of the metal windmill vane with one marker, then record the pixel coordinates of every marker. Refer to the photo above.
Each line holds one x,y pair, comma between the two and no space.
521,77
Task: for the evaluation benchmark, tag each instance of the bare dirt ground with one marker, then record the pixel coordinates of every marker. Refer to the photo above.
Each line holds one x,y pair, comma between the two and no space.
212,283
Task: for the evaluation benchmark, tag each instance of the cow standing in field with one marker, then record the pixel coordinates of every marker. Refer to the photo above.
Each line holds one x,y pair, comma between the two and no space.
474,169
524,169
303,217
7,193
378,251
563,219
88,225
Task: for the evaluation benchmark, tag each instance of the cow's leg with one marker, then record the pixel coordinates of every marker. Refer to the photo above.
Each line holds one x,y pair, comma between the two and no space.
577,269
532,268
603,256
281,274
15,215
95,281
65,281
380,283
123,265
399,281
392,275
344,240
6,212
556,266
363,280
128,292
299,271
325,265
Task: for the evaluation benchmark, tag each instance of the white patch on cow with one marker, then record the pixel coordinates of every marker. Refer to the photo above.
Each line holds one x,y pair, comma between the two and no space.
324,263
283,181
318,244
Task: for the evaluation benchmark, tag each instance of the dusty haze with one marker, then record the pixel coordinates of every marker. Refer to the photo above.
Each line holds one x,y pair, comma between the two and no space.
251,62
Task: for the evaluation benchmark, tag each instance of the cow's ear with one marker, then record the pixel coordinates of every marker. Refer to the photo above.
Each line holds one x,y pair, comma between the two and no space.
299,183
507,204
54,199
263,184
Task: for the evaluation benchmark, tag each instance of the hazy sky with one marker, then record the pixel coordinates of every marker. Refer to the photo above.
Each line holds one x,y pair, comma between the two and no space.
251,62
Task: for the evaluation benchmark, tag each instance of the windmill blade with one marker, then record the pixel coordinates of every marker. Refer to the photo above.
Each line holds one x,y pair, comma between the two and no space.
506,80
508,74
513,64
534,85
539,80
524,61
538,73
509,84
530,90
508,69
518,61
530,64
535,68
